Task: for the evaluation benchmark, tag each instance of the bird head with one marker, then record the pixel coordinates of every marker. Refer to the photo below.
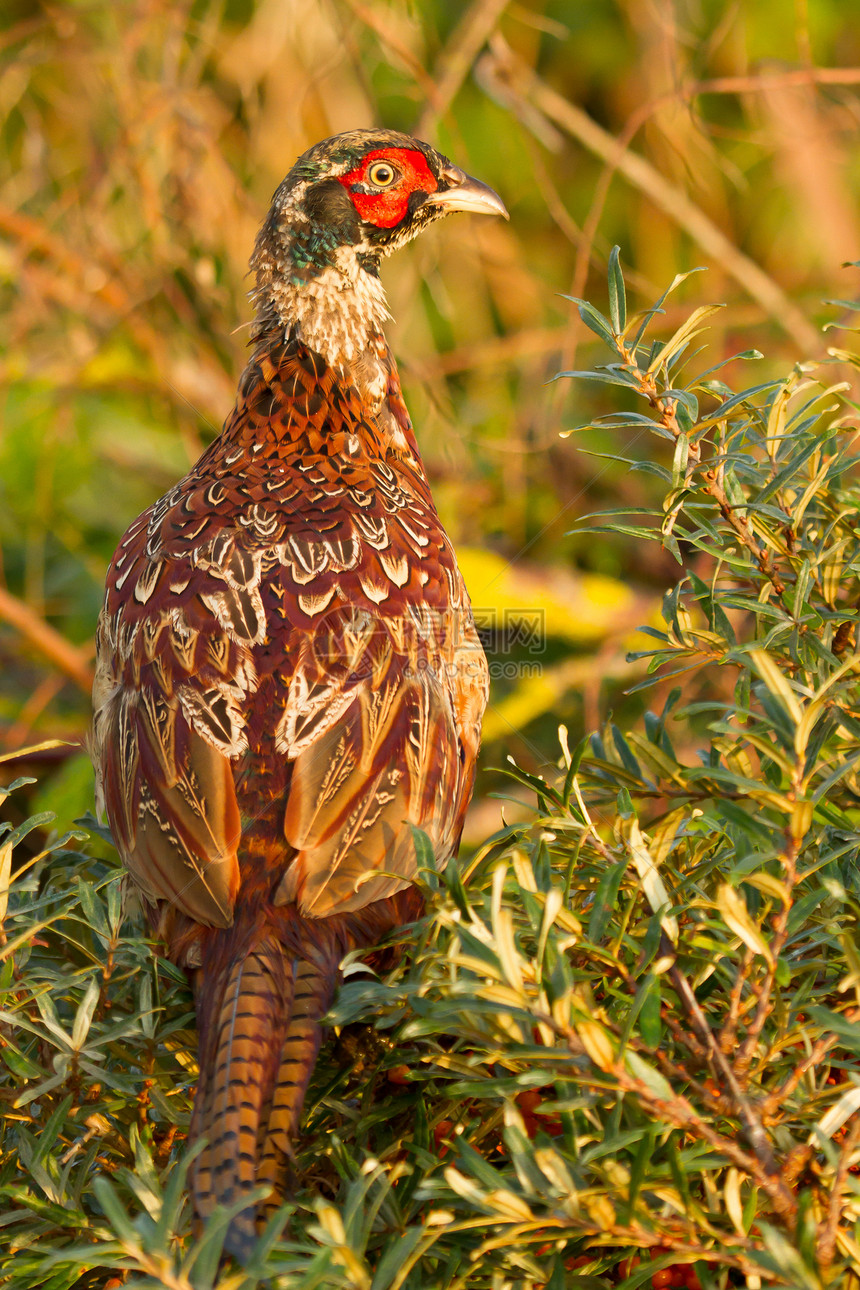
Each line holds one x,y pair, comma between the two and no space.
369,190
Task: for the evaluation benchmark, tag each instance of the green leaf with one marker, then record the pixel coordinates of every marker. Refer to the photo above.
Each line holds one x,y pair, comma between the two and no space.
114,1211
84,1015
650,1022
605,899
617,294
397,1256
595,321
649,1076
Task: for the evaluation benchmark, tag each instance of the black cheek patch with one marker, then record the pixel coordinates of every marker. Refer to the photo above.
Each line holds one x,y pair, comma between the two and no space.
416,199
328,205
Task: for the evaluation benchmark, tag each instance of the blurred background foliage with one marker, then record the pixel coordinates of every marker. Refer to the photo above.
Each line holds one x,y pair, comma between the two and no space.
141,141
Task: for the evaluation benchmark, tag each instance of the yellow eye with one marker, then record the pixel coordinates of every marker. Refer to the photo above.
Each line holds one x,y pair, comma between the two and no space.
381,174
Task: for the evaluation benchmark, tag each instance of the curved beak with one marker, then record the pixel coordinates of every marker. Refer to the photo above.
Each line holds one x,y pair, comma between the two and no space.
467,194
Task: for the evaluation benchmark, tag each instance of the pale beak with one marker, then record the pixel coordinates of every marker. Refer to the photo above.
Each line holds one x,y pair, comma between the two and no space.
467,194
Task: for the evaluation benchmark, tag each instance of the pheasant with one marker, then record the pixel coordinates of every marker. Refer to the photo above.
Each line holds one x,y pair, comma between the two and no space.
289,682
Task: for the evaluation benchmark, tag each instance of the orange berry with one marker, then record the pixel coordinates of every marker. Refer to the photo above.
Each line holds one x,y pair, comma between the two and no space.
665,1277
442,1130
578,1262
530,1124
399,1075
529,1101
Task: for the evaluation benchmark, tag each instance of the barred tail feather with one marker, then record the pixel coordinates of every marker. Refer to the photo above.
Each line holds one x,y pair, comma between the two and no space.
259,1043
313,989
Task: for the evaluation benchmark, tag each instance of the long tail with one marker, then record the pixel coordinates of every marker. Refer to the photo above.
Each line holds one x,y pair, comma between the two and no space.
260,1034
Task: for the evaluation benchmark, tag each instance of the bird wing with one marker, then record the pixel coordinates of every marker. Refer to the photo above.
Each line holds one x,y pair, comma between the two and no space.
388,756
371,724
170,798
168,700
289,652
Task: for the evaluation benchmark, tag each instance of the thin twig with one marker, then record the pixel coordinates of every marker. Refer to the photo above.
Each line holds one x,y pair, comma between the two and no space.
71,660
728,1034
711,482
767,81
382,28
516,83
827,1231
777,944
43,695
721,1067
739,523
456,60
34,241
780,1096
680,1112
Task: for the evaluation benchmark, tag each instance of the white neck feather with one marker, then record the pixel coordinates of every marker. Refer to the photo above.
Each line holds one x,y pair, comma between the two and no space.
337,313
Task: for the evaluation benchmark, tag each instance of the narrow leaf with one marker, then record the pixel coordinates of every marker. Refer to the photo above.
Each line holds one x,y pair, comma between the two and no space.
617,295
733,908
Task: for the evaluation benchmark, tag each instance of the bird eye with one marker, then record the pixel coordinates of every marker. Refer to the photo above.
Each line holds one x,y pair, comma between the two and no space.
382,174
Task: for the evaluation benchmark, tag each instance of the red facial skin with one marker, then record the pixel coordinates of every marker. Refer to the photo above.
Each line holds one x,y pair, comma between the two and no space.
386,207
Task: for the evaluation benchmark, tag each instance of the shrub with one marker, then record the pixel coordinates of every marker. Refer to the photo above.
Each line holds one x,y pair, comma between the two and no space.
625,1041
